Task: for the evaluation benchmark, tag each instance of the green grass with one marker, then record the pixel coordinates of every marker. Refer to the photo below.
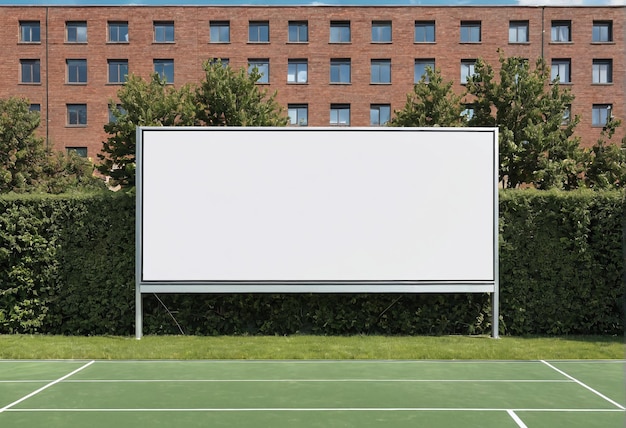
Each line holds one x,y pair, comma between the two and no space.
310,347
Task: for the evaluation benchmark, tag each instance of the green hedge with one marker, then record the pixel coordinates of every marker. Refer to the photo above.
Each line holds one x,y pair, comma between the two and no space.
67,267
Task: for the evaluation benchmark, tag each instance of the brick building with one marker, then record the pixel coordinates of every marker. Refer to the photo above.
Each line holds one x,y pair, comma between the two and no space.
331,65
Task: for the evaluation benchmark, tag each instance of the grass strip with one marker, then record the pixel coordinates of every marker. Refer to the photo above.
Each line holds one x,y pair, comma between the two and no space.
311,347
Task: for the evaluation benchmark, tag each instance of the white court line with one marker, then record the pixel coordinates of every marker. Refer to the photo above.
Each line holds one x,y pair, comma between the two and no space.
317,380
26,397
584,385
316,409
516,418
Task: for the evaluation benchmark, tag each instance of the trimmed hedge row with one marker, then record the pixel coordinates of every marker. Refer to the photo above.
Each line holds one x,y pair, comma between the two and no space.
67,267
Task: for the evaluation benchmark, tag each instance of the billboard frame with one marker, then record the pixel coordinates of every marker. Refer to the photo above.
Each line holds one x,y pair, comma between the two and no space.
194,285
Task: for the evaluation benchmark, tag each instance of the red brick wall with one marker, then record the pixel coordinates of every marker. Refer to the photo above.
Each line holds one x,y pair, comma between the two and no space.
192,47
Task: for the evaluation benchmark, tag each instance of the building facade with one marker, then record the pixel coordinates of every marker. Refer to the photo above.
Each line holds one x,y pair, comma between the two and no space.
330,65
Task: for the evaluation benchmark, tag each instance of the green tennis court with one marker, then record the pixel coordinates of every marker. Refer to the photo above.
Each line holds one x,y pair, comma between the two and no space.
270,393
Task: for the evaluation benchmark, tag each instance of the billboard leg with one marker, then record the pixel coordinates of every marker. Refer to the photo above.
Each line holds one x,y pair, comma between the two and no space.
138,315
495,309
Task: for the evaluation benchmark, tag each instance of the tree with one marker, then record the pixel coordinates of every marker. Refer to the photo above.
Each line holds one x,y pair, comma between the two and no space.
22,153
26,165
536,143
224,97
432,103
605,162
142,103
233,98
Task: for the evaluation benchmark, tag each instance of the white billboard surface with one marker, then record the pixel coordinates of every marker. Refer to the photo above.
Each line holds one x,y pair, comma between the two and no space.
316,209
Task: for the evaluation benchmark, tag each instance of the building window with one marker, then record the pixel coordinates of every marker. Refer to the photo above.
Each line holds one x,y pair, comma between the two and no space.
470,32
223,61
298,114
259,32
77,114
77,71
424,32
567,116
34,108
219,31
340,32
30,32
421,65
163,32
561,70
518,32
297,71
30,71
76,32
118,70
468,112
340,114
165,69
118,32
79,151
467,69
380,114
600,114
381,32
263,68
340,70
381,71
602,71
561,31
120,110
298,31
602,32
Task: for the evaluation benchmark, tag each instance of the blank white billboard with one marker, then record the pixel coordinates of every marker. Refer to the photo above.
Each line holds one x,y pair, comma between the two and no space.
225,209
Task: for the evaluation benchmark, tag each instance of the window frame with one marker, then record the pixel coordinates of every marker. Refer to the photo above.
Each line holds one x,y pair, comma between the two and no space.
425,25
375,109
80,151
297,63
260,36
468,65
79,110
298,108
380,71
295,28
602,68
224,61
164,65
119,65
216,28
556,28
76,69
379,32
337,110
468,112
34,68
566,78
597,27
162,30
32,29
467,32
75,26
339,30
516,26
263,67
424,64
117,26
567,115
600,114
338,68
